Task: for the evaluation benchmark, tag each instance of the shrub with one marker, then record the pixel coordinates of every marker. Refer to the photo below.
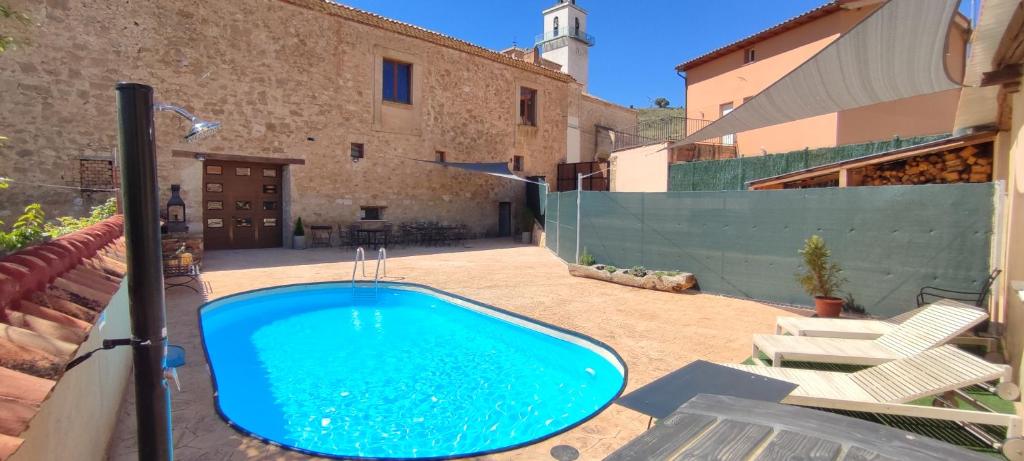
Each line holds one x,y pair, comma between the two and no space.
637,271
68,224
611,269
586,258
299,231
27,230
819,276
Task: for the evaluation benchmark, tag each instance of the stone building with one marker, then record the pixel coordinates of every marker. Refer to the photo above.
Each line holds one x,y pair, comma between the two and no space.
325,109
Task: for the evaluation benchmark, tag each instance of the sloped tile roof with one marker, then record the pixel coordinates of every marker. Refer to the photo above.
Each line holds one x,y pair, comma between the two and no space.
375,20
789,24
50,296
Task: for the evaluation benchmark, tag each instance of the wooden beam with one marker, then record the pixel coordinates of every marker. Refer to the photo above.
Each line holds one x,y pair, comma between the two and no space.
1011,46
237,158
1006,74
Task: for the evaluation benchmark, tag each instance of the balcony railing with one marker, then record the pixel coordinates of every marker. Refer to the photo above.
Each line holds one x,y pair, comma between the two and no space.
674,129
550,35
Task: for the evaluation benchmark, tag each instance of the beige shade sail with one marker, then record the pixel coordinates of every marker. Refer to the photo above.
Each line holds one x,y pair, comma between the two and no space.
897,52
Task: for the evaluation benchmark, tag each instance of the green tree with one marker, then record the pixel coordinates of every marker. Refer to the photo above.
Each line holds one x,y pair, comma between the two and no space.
662,103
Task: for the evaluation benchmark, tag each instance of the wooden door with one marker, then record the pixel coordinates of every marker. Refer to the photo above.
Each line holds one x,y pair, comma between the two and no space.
241,205
505,219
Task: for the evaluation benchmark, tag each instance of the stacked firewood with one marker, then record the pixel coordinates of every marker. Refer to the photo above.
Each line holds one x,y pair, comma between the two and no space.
966,165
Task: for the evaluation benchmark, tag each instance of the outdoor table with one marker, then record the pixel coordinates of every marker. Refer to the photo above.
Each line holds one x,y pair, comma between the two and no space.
718,427
177,268
664,395
372,236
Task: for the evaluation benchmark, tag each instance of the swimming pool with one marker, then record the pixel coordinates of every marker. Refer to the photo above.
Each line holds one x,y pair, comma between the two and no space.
400,371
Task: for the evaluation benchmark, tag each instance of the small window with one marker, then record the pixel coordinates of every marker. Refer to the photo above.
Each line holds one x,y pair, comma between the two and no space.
576,28
555,27
358,151
439,156
214,223
243,205
269,222
527,106
269,206
270,172
214,169
214,187
397,82
243,222
517,163
371,213
215,205
270,188
749,56
243,171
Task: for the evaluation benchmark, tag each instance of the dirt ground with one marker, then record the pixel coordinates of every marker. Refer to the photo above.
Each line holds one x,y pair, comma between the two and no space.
654,332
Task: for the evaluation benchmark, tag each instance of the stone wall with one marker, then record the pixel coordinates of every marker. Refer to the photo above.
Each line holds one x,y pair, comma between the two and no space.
286,81
597,116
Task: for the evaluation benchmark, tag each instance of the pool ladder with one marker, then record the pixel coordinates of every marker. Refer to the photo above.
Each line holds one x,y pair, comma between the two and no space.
367,295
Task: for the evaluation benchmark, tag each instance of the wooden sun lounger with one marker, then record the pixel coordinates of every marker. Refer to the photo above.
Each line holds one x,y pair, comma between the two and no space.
863,328
839,327
933,326
887,388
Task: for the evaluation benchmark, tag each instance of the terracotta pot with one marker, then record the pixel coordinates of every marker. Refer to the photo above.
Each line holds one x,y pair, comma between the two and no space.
828,307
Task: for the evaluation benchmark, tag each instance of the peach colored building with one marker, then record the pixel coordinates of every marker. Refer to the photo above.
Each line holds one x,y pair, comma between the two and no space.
723,79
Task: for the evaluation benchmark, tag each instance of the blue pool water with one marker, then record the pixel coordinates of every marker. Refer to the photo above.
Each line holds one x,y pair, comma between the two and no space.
415,374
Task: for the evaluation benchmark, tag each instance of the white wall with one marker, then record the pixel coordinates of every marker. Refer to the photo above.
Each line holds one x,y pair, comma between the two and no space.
641,169
76,422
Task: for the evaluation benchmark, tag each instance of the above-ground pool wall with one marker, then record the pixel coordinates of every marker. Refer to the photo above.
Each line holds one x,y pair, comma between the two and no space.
890,241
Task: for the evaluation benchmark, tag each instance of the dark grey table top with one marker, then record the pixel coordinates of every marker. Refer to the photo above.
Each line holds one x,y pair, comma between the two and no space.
663,396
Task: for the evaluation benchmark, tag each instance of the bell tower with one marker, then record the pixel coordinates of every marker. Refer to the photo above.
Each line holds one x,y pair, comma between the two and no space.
565,39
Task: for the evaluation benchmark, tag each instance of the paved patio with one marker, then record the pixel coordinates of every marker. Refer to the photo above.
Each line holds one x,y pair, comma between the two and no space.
654,332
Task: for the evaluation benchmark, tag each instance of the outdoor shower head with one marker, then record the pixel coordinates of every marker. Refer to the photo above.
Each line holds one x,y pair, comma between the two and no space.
200,128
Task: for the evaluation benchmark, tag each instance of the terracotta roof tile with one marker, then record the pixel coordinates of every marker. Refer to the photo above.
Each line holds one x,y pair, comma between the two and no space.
409,30
49,296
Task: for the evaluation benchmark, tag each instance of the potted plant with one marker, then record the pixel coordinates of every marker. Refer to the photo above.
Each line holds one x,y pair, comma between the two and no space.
820,277
299,235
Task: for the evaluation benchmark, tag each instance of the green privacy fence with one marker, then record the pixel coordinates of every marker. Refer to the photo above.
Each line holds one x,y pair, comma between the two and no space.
890,241
731,174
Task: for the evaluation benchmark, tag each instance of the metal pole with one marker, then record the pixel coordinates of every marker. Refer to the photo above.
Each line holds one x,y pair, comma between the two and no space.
140,197
579,189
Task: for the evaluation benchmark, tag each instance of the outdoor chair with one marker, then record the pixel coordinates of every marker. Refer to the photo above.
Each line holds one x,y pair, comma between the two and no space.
889,388
931,327
320,236
976,298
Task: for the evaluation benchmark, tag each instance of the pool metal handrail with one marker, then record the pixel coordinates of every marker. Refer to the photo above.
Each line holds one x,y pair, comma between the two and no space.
382,256
360,256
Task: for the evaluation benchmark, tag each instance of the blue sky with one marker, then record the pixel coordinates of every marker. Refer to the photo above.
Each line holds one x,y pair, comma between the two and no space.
639,42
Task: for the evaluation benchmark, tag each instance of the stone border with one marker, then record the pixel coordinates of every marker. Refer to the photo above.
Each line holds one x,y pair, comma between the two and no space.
668,283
